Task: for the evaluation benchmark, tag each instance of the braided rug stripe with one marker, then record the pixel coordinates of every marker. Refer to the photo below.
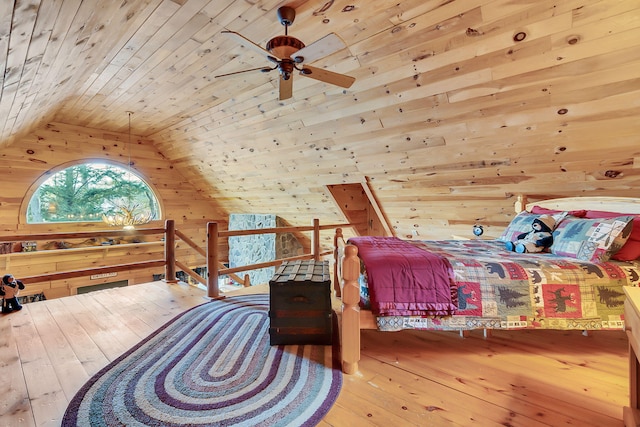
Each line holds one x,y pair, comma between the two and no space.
212,366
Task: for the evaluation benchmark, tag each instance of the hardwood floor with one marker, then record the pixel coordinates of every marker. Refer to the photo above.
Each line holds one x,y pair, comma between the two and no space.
410,378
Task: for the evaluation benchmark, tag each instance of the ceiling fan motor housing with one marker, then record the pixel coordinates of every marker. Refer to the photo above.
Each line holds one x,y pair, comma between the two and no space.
284,46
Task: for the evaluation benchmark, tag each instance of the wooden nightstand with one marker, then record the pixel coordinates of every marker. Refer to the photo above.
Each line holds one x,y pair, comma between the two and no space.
300,303
631,413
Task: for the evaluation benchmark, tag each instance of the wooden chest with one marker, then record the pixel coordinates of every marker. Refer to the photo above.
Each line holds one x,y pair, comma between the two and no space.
300,303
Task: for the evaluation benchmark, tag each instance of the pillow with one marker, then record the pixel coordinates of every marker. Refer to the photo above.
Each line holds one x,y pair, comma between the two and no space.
521,223
631,250
635,234
594,240
540,210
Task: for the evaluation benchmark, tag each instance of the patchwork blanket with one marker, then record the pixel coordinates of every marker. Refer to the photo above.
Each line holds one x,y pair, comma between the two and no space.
405,280
498,289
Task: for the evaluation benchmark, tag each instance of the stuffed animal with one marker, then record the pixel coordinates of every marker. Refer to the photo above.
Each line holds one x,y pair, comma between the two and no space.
538,239
9,288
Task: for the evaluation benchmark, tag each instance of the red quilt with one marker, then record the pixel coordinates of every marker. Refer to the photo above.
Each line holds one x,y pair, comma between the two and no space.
405,280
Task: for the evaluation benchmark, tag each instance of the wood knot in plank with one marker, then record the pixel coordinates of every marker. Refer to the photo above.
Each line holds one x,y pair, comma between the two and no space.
472,32
612,174
323,9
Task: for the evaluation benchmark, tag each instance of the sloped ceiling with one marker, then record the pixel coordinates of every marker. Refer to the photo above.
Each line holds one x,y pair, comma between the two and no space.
457,104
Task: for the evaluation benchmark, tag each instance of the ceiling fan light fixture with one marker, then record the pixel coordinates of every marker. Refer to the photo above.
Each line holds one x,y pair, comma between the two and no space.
286,68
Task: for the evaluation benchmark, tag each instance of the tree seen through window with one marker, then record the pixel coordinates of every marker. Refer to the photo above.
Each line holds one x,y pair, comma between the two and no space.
88,191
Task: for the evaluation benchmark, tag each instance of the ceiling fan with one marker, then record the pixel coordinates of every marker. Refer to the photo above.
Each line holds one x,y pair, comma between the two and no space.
289,54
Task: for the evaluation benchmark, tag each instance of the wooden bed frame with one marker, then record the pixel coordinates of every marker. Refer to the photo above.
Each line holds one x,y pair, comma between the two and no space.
348,270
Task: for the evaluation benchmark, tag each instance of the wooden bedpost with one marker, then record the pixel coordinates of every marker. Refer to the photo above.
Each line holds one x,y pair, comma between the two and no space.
520,203
350,329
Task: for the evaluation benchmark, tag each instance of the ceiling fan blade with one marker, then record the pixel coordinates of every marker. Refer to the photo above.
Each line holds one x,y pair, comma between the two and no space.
286,88
326,76
249,43
263,69
325,46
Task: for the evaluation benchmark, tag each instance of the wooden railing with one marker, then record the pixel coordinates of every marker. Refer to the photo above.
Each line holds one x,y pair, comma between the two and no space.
62,275
214,234
215,268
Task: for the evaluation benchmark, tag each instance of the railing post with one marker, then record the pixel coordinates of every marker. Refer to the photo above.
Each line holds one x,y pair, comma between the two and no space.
316,239
336,262
170,252
212,260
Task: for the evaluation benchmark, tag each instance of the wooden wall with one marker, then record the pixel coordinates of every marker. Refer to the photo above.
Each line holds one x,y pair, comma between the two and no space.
57,145
457,107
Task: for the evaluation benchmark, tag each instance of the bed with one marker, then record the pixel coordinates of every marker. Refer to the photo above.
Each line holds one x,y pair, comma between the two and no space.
576,285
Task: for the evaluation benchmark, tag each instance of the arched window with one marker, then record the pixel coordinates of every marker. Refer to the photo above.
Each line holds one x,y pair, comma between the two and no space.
91,192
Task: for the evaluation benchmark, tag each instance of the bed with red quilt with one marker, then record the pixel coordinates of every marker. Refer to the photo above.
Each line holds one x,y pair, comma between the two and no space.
393,284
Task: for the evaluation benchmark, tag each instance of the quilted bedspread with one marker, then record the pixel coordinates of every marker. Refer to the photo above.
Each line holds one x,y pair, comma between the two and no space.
498,289
406,280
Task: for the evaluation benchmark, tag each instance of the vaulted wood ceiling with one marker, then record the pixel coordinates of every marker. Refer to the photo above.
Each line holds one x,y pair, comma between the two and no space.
457,104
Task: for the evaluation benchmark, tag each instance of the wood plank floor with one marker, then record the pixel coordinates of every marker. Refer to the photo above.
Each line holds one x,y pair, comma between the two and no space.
521,378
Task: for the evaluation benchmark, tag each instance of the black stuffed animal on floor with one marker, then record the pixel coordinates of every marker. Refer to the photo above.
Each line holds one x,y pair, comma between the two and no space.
9,289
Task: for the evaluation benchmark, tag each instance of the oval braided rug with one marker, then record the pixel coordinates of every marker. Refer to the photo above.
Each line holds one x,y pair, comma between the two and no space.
212,366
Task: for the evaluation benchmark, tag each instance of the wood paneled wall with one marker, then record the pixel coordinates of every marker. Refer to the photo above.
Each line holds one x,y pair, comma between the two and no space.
56,146
457,107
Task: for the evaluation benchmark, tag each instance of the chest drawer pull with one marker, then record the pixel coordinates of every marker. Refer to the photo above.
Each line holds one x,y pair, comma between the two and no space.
300,298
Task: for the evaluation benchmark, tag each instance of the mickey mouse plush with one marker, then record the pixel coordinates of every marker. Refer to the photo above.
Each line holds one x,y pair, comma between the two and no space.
9,288
538,239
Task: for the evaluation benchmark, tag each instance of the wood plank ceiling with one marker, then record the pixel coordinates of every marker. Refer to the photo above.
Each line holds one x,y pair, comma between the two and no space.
457,105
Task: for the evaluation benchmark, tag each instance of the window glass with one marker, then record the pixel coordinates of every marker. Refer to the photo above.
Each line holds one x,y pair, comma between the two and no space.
90,192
